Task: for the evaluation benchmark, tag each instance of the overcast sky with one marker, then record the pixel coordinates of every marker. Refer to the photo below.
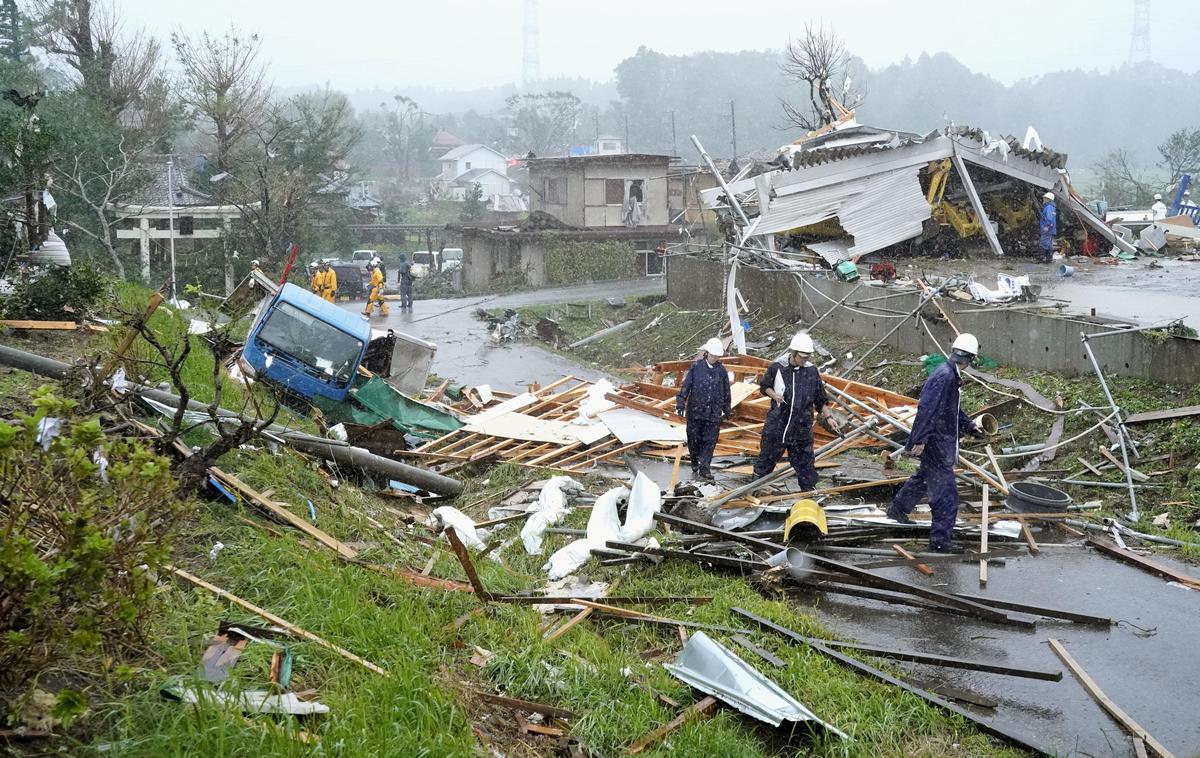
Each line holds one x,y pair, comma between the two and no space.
462,44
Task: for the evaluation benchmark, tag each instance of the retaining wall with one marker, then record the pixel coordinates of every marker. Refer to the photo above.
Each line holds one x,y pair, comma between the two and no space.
1012,337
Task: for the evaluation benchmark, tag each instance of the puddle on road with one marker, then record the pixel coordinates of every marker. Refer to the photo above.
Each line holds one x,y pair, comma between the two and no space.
1151,677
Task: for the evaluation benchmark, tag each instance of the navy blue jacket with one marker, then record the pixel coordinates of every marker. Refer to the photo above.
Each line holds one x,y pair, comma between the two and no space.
940,421
804,396
705,392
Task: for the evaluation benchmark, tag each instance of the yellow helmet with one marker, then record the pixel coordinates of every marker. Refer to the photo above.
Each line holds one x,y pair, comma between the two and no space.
805,512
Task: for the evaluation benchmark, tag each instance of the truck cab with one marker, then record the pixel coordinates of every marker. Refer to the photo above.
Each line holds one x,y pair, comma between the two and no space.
313,348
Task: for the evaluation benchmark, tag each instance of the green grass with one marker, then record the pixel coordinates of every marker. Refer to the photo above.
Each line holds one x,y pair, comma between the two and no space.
424,708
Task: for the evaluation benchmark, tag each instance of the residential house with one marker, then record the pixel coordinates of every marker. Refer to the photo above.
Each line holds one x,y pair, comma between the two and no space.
493,183
443,142
466,158
600,191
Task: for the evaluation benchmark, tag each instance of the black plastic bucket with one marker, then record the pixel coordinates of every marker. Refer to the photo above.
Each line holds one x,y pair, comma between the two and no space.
1031,497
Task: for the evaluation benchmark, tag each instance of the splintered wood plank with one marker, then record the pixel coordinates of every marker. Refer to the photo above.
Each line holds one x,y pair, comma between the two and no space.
62,326
1106,703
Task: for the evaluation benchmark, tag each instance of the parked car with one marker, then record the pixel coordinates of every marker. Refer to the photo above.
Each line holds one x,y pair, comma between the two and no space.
423,262
361,258
452,258
350,280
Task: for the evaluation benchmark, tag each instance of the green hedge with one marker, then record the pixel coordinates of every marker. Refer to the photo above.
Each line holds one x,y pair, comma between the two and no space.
570,262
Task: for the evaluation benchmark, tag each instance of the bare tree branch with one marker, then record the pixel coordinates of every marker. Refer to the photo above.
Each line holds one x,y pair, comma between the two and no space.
819,59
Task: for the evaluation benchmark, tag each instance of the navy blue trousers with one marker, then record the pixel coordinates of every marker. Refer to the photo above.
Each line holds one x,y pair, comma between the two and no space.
800,454
935,477
701,439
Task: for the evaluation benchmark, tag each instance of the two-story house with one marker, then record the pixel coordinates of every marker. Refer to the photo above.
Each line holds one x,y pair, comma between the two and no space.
474,164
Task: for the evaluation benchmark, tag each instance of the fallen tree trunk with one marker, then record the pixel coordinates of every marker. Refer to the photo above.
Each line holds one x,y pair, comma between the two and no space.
333,450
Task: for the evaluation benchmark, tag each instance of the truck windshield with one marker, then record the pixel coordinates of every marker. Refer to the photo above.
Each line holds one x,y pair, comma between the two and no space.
311,341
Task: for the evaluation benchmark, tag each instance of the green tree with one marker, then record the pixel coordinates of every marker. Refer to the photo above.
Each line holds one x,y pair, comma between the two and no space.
13,44
225,87
542,123
473,208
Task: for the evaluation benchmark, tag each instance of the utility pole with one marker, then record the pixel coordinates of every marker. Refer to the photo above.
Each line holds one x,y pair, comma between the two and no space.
171,225
627,132
733,128
674,147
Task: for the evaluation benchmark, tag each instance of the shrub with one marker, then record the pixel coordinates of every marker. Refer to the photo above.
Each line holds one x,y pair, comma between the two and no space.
86,520
49,295
570,262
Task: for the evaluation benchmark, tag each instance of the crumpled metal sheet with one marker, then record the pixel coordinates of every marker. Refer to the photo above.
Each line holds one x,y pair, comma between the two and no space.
877,210
711,668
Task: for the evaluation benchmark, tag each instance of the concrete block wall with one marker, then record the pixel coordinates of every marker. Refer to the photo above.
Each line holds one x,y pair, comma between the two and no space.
1011,337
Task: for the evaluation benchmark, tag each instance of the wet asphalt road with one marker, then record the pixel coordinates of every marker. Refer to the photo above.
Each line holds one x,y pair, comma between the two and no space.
466,353
1151,674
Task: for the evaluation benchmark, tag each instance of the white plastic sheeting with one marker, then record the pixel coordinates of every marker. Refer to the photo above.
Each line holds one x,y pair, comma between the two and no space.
645,499
877,210
551,508
1008,287
452,518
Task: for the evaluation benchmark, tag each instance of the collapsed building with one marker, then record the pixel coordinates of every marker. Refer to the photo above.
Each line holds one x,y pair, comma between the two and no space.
857,190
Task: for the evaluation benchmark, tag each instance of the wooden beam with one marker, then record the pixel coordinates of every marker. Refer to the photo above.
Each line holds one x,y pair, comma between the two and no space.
697,710
1141,418
296,630
526,705
1138,476
257,500
1029,540
1144,563
922,567
460,552
1106,703
64,326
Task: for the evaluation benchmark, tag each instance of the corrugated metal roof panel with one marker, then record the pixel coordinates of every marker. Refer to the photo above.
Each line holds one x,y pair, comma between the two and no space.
877,210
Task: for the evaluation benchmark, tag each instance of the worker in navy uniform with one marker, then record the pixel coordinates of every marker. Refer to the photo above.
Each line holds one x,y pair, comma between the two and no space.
797,394
934,439
704,399
1047,227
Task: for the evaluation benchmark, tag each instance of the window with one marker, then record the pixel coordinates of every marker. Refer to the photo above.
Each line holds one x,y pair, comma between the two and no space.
614,191
468,165
608,146
322,347
554,190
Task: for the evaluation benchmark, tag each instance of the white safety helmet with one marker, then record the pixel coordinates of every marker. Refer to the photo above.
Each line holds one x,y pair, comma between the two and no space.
1049,195
375,261
801,343
1157,196
714,347
966,343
